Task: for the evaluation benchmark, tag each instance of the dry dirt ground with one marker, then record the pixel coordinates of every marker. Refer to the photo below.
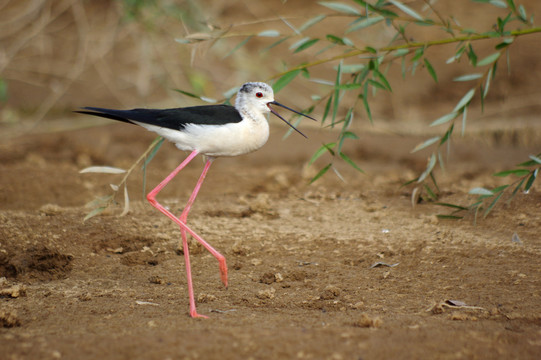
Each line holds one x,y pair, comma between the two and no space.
302,281
303,276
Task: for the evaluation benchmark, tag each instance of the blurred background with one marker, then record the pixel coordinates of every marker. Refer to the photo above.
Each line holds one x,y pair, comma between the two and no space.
56,56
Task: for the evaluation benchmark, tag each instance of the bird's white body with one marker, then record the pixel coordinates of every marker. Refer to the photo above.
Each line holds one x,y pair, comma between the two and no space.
230,139
225,140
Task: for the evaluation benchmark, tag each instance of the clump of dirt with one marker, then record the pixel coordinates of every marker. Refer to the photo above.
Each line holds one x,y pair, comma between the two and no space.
121,244
9,319
38,263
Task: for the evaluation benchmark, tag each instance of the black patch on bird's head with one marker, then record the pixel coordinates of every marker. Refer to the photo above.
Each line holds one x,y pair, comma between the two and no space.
250,87
246,88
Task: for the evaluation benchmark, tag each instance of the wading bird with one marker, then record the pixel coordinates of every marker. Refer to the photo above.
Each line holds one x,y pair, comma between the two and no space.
210,130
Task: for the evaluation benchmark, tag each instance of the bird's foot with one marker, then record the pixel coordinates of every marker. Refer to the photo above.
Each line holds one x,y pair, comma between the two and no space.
194,314
223,271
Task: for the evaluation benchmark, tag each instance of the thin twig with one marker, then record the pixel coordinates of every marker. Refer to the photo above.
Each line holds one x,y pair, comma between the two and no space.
411,45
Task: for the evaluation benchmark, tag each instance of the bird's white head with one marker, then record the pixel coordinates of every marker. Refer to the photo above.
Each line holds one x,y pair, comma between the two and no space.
256,97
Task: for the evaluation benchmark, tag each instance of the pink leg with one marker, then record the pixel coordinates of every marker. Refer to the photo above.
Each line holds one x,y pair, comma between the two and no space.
151,197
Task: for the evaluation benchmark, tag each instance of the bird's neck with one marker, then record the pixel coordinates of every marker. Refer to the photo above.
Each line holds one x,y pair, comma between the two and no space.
252,115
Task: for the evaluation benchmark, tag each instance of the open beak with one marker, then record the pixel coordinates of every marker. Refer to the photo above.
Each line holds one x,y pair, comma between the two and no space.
290,109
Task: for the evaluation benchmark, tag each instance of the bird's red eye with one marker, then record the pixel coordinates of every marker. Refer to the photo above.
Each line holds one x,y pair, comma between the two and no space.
259,94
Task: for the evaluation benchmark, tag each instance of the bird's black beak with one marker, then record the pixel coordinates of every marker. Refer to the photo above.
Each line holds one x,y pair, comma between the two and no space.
290,109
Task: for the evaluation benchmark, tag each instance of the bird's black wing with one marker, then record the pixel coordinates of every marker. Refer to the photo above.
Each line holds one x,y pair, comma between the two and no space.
175,119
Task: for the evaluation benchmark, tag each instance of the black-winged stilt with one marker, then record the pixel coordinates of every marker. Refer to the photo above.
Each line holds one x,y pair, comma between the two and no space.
211,130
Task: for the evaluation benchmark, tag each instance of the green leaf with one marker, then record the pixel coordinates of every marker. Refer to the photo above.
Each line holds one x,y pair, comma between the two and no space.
443,140
361,76
336,92
516,172
409,182
511,4
305,45
425,144
468,77
418,54
335,39
348,86
487,82
284,80
321,173
298,43
378,8
434,181
349,135
471,55
497,3
290,130
3,90
364,23
322,150
340,7
505,43
430,193
269,33
522,13
431,70
102,170
345,133
530,162
350,162
517,188
383,80
94,212
449,217
489,59
352,68
183,41
324,49
464,116
457,55
276,43
530,181
480,191
327,109
535,158
447,136
228,94
401,52
445,118
376,84
311,22
468,31
489,208
100,201
465,100
454,206
429,168
371,50
158,142
364,97
187,93
499,188
406,9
